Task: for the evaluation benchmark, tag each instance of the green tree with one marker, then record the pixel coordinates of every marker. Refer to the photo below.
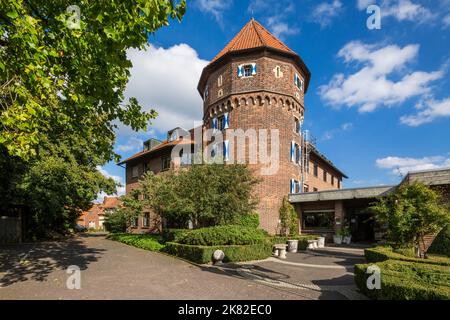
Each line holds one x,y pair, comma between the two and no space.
288,219
412,212
62,95
56,79
129,209
203,194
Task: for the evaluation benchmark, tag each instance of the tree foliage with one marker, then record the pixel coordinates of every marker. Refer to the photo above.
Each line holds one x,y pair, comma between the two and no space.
62,98
412,212
204,194
288,219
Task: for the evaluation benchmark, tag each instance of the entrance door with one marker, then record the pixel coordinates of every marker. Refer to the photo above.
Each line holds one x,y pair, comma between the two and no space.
362,227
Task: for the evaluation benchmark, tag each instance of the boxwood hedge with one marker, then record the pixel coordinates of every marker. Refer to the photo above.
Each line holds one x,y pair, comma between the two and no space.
383,253
144,241
223,235
402,280
233,253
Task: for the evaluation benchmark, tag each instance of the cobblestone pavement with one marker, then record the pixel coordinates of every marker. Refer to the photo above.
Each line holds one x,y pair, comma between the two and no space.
111,270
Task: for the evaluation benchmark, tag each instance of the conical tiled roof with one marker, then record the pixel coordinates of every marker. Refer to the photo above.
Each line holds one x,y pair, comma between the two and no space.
253,35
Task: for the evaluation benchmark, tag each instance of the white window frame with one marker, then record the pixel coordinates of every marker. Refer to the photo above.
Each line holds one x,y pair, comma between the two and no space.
145,220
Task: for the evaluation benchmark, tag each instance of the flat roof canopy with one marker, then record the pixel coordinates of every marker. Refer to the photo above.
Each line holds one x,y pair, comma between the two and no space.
343,194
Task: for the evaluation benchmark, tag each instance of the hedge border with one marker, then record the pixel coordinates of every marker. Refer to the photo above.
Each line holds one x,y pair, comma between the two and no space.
233,253
395,287
383,253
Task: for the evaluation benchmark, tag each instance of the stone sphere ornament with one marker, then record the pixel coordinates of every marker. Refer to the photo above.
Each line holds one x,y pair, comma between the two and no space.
218,256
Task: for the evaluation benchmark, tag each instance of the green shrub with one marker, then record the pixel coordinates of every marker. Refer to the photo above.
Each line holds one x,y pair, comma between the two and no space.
233,253
144,241
169,235
441,245
383,253
223,235
402,280
249,220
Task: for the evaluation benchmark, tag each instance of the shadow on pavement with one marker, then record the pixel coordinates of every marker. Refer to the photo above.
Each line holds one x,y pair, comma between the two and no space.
22,262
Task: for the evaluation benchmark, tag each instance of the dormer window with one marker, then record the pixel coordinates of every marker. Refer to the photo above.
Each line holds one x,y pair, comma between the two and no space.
246,70
174,135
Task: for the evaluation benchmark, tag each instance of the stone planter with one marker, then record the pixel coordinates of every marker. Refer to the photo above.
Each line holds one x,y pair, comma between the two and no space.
337,239
347,239
292,245
321,242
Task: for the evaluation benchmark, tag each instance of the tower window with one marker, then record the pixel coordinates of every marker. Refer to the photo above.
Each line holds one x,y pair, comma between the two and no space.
205,94
219,80
316,169
278,73
296,125
247,70
324,176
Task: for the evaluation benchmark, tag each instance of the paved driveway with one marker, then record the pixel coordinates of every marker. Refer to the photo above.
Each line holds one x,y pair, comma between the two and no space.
111,270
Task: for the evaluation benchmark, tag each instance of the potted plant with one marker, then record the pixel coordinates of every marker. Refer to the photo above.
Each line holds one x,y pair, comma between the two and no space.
347,236
337,238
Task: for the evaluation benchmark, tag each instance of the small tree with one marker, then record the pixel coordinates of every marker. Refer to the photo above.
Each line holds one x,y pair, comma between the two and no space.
205,194
412,212
288,219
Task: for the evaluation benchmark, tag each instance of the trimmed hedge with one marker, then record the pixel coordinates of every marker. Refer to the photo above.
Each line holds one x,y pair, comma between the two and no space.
441,245
383,253
223,235
144,241
402,280
169,235
233,253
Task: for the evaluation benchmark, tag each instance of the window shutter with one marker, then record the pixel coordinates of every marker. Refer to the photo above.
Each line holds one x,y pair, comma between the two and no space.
240,71
292,151
226,120
226,150
214,123
253,69
292,186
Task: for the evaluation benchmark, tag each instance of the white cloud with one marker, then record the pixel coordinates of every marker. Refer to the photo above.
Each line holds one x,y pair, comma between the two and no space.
279,28
402,166
328,135
276,14
446,21
166,80
133,144
117,179
402,10
214,7
429,110
370,87
326,11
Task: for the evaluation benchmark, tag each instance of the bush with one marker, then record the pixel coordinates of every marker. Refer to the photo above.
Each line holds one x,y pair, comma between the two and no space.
250,220
233,253
223,235
144,241
169,235
383,253
441,245
406,281
116,222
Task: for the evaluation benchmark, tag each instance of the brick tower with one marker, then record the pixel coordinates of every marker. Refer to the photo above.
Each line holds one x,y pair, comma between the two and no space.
257,82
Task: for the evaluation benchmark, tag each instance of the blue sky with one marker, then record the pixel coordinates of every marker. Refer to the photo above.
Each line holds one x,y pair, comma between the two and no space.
378,102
